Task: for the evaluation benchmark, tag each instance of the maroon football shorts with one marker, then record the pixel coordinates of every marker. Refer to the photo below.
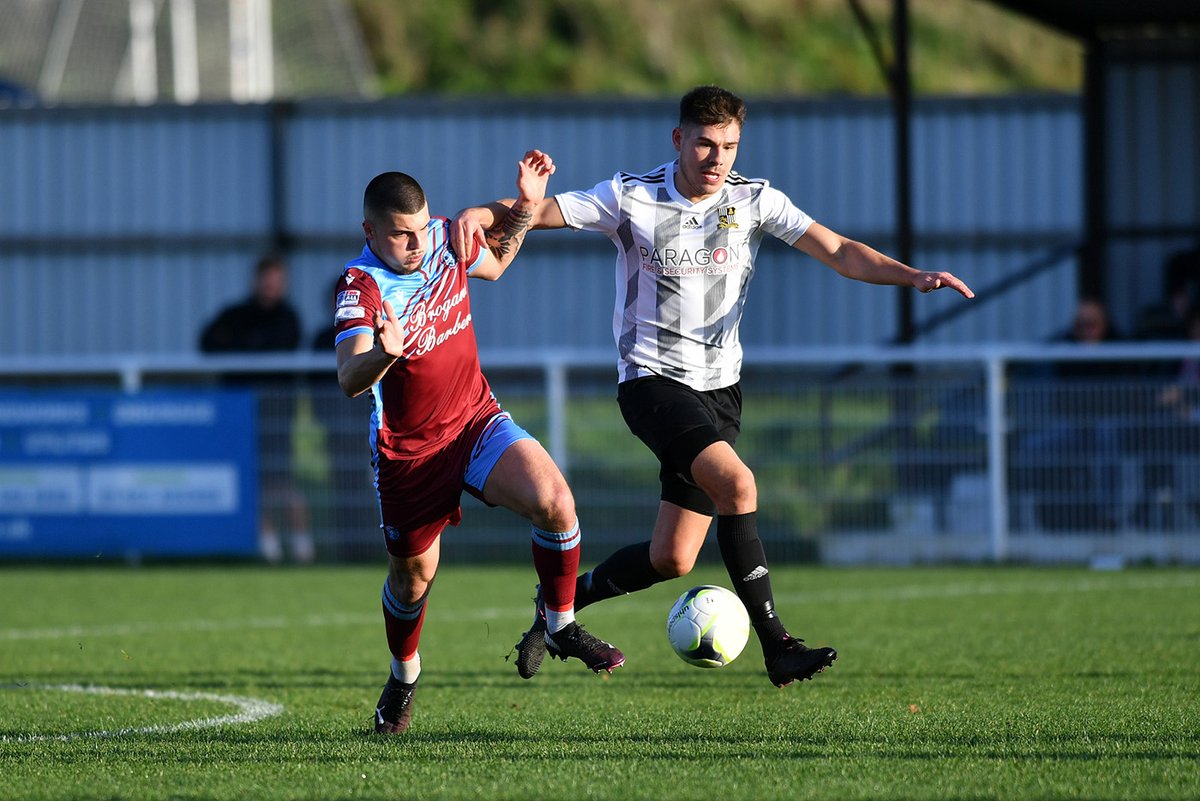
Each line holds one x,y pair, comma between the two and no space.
419,497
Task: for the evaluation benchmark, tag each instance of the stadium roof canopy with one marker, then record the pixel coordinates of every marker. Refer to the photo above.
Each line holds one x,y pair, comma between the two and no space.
1142,61
1094,18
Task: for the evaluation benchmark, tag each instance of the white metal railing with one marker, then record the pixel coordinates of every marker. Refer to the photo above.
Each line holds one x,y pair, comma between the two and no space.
994,365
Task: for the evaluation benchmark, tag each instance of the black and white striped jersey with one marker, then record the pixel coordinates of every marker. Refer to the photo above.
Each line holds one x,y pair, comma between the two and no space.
683,268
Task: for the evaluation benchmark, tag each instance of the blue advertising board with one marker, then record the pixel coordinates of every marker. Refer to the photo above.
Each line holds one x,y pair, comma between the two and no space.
110,474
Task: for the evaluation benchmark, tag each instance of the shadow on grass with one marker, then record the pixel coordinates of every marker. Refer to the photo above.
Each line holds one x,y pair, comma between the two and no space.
535,746
434,739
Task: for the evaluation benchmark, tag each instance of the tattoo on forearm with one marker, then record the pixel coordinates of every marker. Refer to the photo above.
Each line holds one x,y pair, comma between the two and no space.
512,231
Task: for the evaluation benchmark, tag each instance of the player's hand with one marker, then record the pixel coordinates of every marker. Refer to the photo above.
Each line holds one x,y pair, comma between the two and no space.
533,173
467,233
389,335
929,281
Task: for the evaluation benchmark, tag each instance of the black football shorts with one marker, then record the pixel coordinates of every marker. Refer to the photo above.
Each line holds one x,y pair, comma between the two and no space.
677,422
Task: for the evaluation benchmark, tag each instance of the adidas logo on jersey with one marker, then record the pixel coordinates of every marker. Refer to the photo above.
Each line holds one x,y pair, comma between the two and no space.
691,223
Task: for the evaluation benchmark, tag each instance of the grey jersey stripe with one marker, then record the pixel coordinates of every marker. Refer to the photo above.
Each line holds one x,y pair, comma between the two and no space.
715,289
628,336
668,333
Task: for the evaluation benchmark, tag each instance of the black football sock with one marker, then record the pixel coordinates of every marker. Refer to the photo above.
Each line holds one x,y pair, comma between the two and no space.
742,552
626,570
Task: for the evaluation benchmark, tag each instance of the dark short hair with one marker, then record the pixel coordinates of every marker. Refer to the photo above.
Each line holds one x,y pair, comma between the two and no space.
711,105
392,193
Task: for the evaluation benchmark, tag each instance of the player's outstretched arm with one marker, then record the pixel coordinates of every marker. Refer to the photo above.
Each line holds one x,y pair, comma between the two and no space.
504,238
478,223
863,263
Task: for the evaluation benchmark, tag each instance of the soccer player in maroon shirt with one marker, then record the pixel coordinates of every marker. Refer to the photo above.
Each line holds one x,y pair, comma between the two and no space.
405,335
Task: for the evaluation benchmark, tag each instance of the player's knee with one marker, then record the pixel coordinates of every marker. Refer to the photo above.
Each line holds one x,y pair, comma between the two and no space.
408,583
554,509
672,563
736,494
407,590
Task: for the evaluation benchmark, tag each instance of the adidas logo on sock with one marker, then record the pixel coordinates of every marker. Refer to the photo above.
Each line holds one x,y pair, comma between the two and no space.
756,573
614,588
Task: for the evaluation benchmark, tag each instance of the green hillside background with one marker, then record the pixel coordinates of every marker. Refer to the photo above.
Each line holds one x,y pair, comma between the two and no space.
660,47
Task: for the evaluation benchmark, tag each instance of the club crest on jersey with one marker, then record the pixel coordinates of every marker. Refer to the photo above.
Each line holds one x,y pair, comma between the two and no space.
727,220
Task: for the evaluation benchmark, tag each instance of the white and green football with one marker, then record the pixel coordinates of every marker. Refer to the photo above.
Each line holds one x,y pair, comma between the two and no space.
708,626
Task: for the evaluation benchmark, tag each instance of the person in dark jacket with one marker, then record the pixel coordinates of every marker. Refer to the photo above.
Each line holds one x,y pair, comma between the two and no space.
266,322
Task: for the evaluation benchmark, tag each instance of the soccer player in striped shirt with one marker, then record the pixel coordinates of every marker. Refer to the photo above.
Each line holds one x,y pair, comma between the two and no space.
686,235
404,334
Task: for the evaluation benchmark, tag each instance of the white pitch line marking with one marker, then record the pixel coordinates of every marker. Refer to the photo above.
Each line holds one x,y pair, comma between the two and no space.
127,629
250,710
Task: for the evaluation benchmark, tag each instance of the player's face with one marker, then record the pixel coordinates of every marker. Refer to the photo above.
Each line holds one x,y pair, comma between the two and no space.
706,155
399,240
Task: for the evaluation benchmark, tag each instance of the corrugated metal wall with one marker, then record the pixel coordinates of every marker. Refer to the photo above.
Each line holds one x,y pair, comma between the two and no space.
1152,157
150,219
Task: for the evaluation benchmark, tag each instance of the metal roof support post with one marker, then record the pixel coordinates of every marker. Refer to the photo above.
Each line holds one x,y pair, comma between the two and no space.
902,113
279,116
904,394
1094,261
895,72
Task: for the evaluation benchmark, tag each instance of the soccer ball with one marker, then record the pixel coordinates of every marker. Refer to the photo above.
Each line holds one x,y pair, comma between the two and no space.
708,626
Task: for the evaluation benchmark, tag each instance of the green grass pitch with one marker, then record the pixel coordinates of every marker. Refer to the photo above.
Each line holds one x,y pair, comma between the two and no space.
956,683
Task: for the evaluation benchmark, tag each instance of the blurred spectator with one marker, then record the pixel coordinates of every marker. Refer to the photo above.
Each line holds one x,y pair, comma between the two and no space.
1091,323
1170,441
1182,397
262,323
1181,289
1071,450
1090,326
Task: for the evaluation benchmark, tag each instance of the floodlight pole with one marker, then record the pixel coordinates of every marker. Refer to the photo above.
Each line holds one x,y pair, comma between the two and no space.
185,60
58,50
251,51
143,60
